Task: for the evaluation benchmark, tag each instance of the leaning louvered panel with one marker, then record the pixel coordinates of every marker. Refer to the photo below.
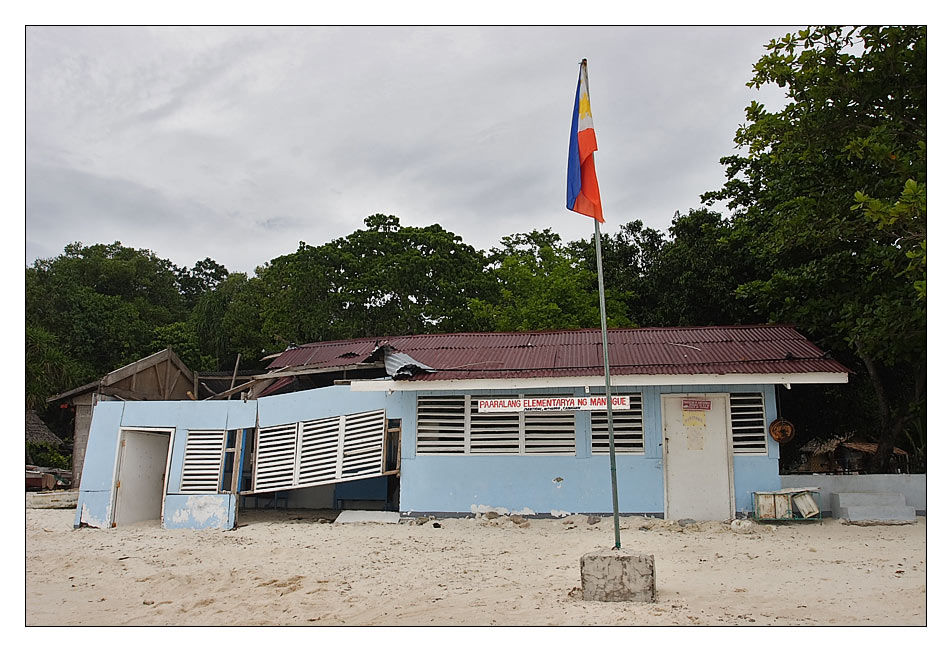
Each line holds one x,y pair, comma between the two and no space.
275,457
319,443
628,426
441,424
201,470
550,433
363,444
748,424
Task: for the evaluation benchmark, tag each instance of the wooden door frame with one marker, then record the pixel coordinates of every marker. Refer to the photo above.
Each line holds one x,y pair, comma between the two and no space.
117,468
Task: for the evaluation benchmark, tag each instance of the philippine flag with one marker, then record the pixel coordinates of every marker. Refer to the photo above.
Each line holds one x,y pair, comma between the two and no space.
582,194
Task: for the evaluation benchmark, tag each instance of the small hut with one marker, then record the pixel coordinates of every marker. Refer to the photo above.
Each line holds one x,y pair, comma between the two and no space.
38,432
843,455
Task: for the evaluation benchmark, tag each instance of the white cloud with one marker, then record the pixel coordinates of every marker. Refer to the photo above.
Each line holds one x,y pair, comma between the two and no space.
236,143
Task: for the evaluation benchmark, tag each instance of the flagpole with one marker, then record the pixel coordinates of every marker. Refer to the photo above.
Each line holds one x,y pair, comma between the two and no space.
608,383
577,182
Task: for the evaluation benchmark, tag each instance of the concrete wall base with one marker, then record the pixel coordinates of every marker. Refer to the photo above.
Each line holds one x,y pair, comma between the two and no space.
610,575
912,486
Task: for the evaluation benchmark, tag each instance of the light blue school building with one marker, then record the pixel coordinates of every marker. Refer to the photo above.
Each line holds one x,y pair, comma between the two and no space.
459,423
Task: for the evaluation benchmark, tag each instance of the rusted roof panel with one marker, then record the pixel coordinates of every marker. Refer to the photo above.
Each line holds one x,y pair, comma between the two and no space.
700,350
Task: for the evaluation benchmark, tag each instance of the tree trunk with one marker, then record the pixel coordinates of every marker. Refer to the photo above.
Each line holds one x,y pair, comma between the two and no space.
888,429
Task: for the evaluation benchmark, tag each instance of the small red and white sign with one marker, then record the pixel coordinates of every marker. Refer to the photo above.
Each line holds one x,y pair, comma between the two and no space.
695,404
550,404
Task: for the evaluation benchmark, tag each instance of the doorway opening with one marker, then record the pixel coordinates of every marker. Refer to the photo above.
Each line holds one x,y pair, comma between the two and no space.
141,475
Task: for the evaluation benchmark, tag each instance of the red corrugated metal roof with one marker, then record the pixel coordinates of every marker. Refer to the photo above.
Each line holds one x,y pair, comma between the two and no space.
697,350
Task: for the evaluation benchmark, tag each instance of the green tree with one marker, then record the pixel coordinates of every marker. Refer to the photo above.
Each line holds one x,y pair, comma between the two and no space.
629,258
688,277
829,202
182,337
204,276
90,310
49,369
543,285
228,321
387,279
697,273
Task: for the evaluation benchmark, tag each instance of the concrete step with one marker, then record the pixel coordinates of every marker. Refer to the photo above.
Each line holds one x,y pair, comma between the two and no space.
839,501
878,514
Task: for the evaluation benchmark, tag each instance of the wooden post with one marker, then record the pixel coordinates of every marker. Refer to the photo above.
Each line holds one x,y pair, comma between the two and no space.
234,374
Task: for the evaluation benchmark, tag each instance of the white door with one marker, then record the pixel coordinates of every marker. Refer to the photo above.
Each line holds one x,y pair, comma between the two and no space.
143,457
698,464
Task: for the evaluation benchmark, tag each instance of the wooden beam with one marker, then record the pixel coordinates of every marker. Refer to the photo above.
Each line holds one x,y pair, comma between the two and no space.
235,372
134,367
178,374
284,373
260,387
236,464
124,393
166,390
227,392
320,370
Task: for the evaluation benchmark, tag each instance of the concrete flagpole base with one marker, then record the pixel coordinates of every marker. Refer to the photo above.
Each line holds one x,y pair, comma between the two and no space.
610,575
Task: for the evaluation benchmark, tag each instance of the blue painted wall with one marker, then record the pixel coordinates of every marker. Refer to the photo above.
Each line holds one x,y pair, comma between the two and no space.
456,483
94,506
96,495
199,512
429,483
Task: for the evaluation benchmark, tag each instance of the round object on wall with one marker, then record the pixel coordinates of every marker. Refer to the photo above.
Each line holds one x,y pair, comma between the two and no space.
781,430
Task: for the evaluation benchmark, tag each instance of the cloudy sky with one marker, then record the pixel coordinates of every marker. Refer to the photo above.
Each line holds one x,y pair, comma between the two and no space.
237,143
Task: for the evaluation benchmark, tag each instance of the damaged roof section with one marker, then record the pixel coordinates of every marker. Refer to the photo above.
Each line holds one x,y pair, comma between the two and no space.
399,365
315,366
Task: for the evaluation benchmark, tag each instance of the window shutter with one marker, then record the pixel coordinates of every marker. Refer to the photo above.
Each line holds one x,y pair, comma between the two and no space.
363,445
493,432
550,433
628,425
441,424
201,469
748,424
275,456
319,441
310,453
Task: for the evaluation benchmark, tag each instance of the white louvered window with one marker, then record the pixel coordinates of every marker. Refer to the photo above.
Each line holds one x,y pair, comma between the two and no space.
550,432
627,424
454,425
322,451
201,469
492,432
748,424
441,424
275,456
319,440
362,451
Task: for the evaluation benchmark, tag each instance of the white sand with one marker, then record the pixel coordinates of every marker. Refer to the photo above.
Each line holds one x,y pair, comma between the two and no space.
286,568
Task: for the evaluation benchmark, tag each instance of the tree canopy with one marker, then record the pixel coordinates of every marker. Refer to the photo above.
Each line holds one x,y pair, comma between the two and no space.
829,201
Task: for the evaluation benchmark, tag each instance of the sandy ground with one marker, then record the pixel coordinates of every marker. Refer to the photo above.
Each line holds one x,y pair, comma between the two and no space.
289,568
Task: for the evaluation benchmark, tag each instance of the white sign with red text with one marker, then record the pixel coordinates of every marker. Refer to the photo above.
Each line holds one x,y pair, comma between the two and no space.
549,404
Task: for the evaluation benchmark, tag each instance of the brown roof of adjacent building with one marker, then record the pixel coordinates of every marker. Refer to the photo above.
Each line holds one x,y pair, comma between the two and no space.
774,349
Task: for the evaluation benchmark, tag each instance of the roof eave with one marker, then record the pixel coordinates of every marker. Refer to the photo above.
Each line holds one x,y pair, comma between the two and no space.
639,380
